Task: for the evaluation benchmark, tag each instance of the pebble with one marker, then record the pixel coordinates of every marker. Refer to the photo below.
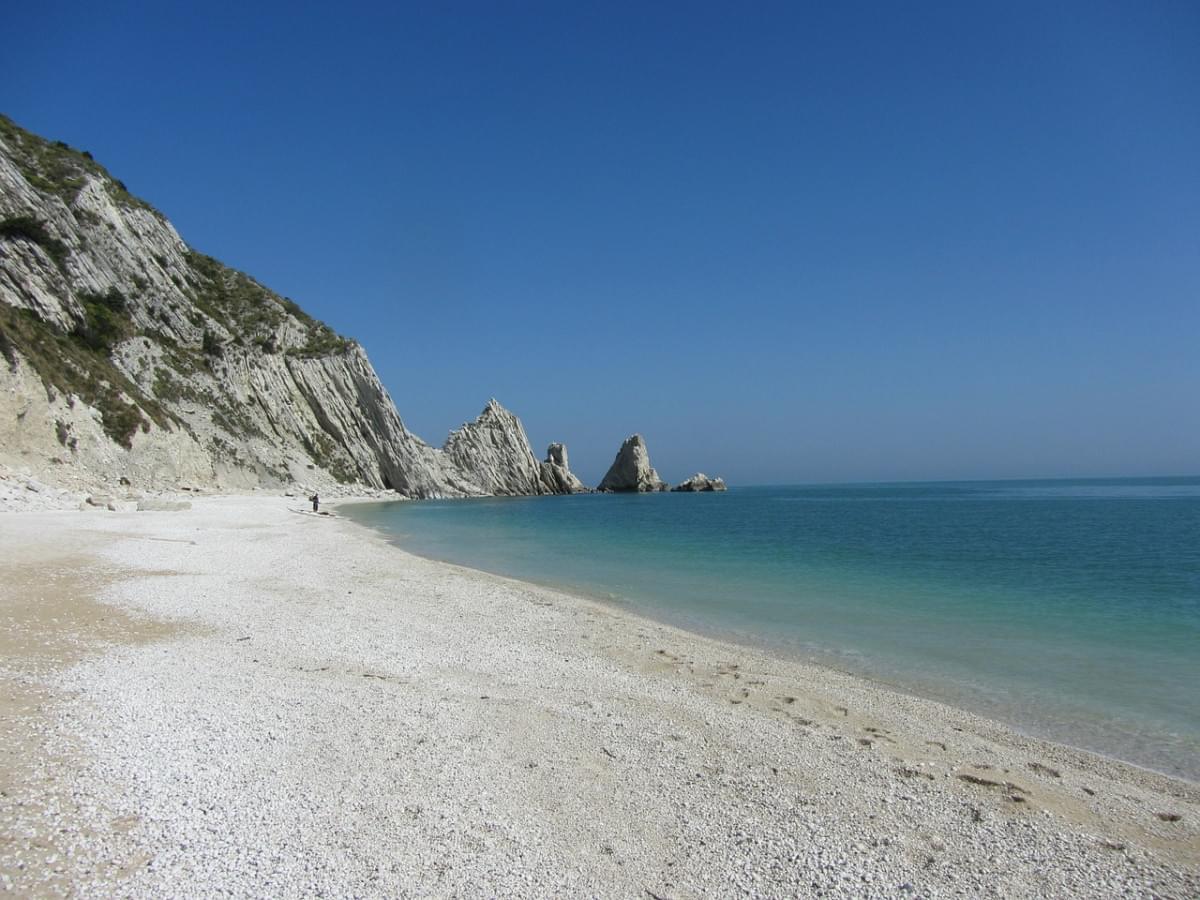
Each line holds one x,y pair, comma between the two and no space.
272,767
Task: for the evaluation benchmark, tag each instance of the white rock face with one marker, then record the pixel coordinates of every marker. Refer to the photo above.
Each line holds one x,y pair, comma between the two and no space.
20,492
108,243
61,438
556,472
701,482
631,470
234,386
494,451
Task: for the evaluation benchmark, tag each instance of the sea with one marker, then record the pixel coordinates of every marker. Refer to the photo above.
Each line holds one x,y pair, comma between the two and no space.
1069,609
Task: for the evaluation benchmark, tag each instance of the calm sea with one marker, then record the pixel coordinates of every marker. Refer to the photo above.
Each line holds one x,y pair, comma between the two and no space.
1070,609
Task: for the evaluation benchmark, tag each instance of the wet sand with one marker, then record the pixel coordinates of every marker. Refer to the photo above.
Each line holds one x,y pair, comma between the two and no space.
49,622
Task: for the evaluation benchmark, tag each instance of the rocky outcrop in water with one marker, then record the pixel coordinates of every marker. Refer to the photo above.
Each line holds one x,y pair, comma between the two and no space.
556,473
494,453
126,354
631,470
700,482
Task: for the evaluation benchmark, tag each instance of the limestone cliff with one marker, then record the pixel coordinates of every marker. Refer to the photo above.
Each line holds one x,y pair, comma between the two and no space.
631,470
495,453
128,355
556,472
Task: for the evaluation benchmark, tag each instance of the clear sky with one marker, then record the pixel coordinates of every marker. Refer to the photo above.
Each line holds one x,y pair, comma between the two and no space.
786,242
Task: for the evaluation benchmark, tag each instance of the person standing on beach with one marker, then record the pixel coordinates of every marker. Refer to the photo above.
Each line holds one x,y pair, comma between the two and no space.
316,501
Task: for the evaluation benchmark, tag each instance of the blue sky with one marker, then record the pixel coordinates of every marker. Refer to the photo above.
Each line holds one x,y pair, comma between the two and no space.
785,242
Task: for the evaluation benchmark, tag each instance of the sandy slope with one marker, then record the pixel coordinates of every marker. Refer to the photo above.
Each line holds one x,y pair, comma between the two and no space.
238,699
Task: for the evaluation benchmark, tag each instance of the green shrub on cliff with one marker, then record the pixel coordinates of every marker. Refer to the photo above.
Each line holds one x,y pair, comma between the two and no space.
58,168
33,230
211,345
322,341
106,322
69,364
254,313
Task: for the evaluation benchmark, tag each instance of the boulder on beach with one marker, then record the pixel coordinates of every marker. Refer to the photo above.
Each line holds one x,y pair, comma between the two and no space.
631,470
700,482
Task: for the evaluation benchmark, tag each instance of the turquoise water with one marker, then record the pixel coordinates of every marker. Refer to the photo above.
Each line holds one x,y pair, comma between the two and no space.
1070,609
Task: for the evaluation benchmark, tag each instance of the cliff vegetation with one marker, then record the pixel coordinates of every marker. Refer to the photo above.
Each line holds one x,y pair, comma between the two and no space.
128,353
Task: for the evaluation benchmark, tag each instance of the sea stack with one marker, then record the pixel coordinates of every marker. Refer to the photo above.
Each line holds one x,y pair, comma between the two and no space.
700,482
556,473
631,470
127,358
494,452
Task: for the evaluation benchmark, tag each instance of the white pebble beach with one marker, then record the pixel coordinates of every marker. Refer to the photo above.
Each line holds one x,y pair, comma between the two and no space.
242,700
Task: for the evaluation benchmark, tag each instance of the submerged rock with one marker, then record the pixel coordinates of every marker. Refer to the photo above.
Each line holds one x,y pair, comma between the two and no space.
631,470
701,482
557,476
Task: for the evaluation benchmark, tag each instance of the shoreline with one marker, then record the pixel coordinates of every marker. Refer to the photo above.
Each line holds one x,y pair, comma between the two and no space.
827,659
539,741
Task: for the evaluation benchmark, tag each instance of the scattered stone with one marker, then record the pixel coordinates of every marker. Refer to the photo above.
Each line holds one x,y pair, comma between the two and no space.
700,482
909,772
1045,770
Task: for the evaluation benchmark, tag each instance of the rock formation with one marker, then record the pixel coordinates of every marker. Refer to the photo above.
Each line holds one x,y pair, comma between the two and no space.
556,473
494,453
126,354
701,482
631,470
